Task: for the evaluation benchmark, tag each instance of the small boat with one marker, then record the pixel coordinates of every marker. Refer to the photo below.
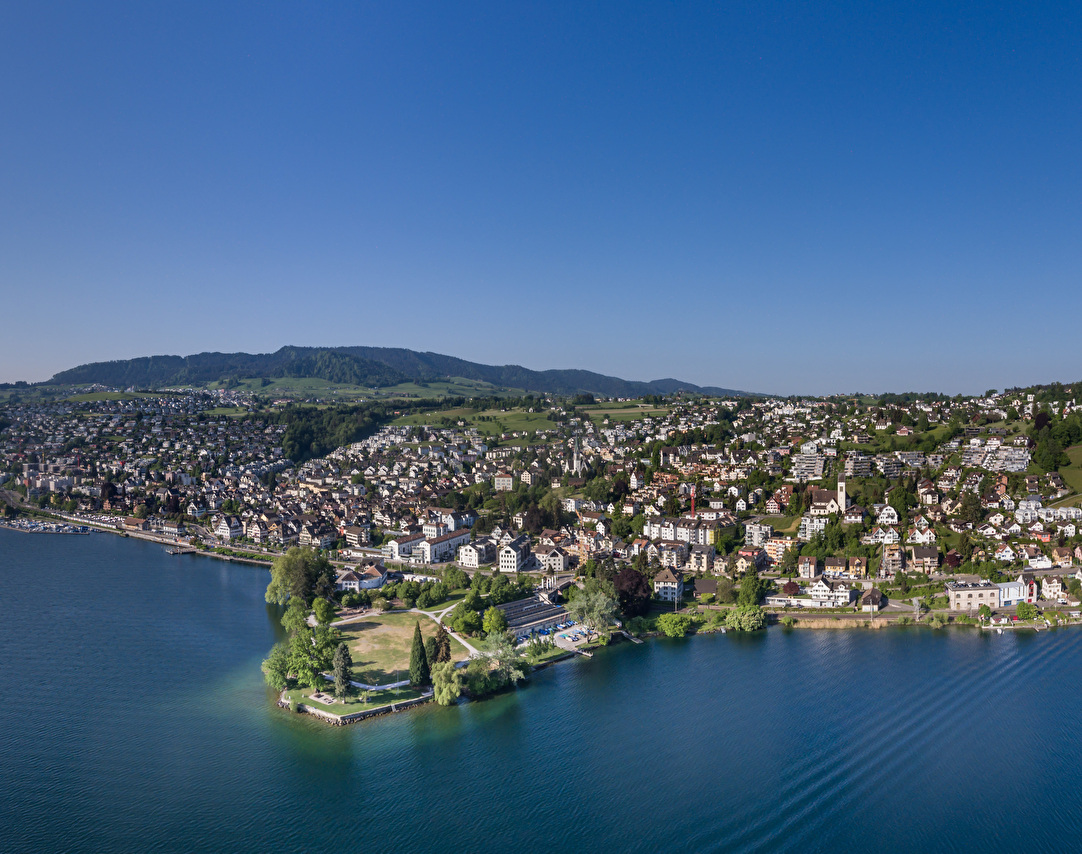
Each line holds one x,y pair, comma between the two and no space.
999,631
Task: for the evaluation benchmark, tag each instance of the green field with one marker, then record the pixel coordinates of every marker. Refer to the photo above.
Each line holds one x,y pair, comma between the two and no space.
625,415
356,703
380,646
783,524
491,422
1072,474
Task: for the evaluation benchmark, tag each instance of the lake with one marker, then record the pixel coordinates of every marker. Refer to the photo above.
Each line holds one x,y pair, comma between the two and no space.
133,717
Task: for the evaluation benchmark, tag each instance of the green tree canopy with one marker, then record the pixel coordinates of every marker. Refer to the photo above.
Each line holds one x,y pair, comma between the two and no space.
447,683
295,574
632,592
276,667
675,625
324,611
495,621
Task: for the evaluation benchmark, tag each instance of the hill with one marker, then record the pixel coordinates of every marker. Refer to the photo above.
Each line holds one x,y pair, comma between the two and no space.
364,366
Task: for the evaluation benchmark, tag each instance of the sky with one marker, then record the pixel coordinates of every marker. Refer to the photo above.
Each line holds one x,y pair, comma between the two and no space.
784,197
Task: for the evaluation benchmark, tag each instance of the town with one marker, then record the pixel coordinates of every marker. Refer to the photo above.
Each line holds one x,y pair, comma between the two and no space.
674,514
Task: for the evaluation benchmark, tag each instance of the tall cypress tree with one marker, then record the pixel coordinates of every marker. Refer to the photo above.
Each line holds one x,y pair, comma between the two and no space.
419,671
343,665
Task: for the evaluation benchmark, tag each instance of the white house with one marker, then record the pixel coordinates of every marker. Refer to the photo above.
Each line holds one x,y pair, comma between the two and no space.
669,585
1011,593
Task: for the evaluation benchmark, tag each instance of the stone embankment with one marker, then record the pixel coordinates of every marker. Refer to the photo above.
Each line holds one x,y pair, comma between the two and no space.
343,720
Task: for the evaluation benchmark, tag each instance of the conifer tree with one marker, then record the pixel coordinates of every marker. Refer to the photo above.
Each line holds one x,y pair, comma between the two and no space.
443,644
343,666
419,671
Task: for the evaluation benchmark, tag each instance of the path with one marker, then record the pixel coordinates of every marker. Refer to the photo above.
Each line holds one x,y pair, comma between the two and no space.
438,617
404,683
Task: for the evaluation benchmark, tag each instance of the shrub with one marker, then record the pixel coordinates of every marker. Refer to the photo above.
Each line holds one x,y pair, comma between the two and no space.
789,622
675,625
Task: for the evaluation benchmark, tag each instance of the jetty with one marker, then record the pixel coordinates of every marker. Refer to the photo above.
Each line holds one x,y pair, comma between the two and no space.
181,550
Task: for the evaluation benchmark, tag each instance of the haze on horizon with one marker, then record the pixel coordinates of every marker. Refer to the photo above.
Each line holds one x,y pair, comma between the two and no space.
774,197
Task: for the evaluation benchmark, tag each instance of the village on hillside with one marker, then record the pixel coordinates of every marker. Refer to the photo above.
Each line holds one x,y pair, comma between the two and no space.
905,503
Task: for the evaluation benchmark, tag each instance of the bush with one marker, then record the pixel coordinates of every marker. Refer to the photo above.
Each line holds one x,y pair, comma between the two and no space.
788,622
675,625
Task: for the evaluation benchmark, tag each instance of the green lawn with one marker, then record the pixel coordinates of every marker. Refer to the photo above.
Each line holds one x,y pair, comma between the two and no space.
352,705
783,524
380,645
547,655
1072,474
510,421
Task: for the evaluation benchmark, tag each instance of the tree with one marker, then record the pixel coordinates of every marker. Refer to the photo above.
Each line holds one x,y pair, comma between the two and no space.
443,644
505,662
970,509
632,592
595,611
789,562
447,683
430,651
495,621
275,667
304,661
455,578
984,612
468,623
343,671
751,589
295,574
1027,611
295,619
746,618
324,611
419,672
675,625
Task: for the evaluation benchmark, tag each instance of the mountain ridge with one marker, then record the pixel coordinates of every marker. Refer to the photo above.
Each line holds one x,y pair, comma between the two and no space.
362,365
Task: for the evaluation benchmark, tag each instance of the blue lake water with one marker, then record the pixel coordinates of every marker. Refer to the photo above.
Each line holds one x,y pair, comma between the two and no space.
133,717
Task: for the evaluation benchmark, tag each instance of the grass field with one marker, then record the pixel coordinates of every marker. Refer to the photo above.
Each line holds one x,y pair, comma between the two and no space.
380,645
783,524
352,705
1072,474
502,421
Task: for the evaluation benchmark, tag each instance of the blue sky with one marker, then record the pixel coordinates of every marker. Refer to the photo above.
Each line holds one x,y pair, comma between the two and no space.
783,197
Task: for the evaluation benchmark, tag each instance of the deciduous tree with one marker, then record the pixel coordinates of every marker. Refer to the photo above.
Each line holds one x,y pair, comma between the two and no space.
632,592
495,621
447,683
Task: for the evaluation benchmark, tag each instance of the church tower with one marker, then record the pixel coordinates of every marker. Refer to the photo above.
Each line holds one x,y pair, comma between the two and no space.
843,502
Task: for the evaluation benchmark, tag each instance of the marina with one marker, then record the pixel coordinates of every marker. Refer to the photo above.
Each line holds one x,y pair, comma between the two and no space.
34,526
